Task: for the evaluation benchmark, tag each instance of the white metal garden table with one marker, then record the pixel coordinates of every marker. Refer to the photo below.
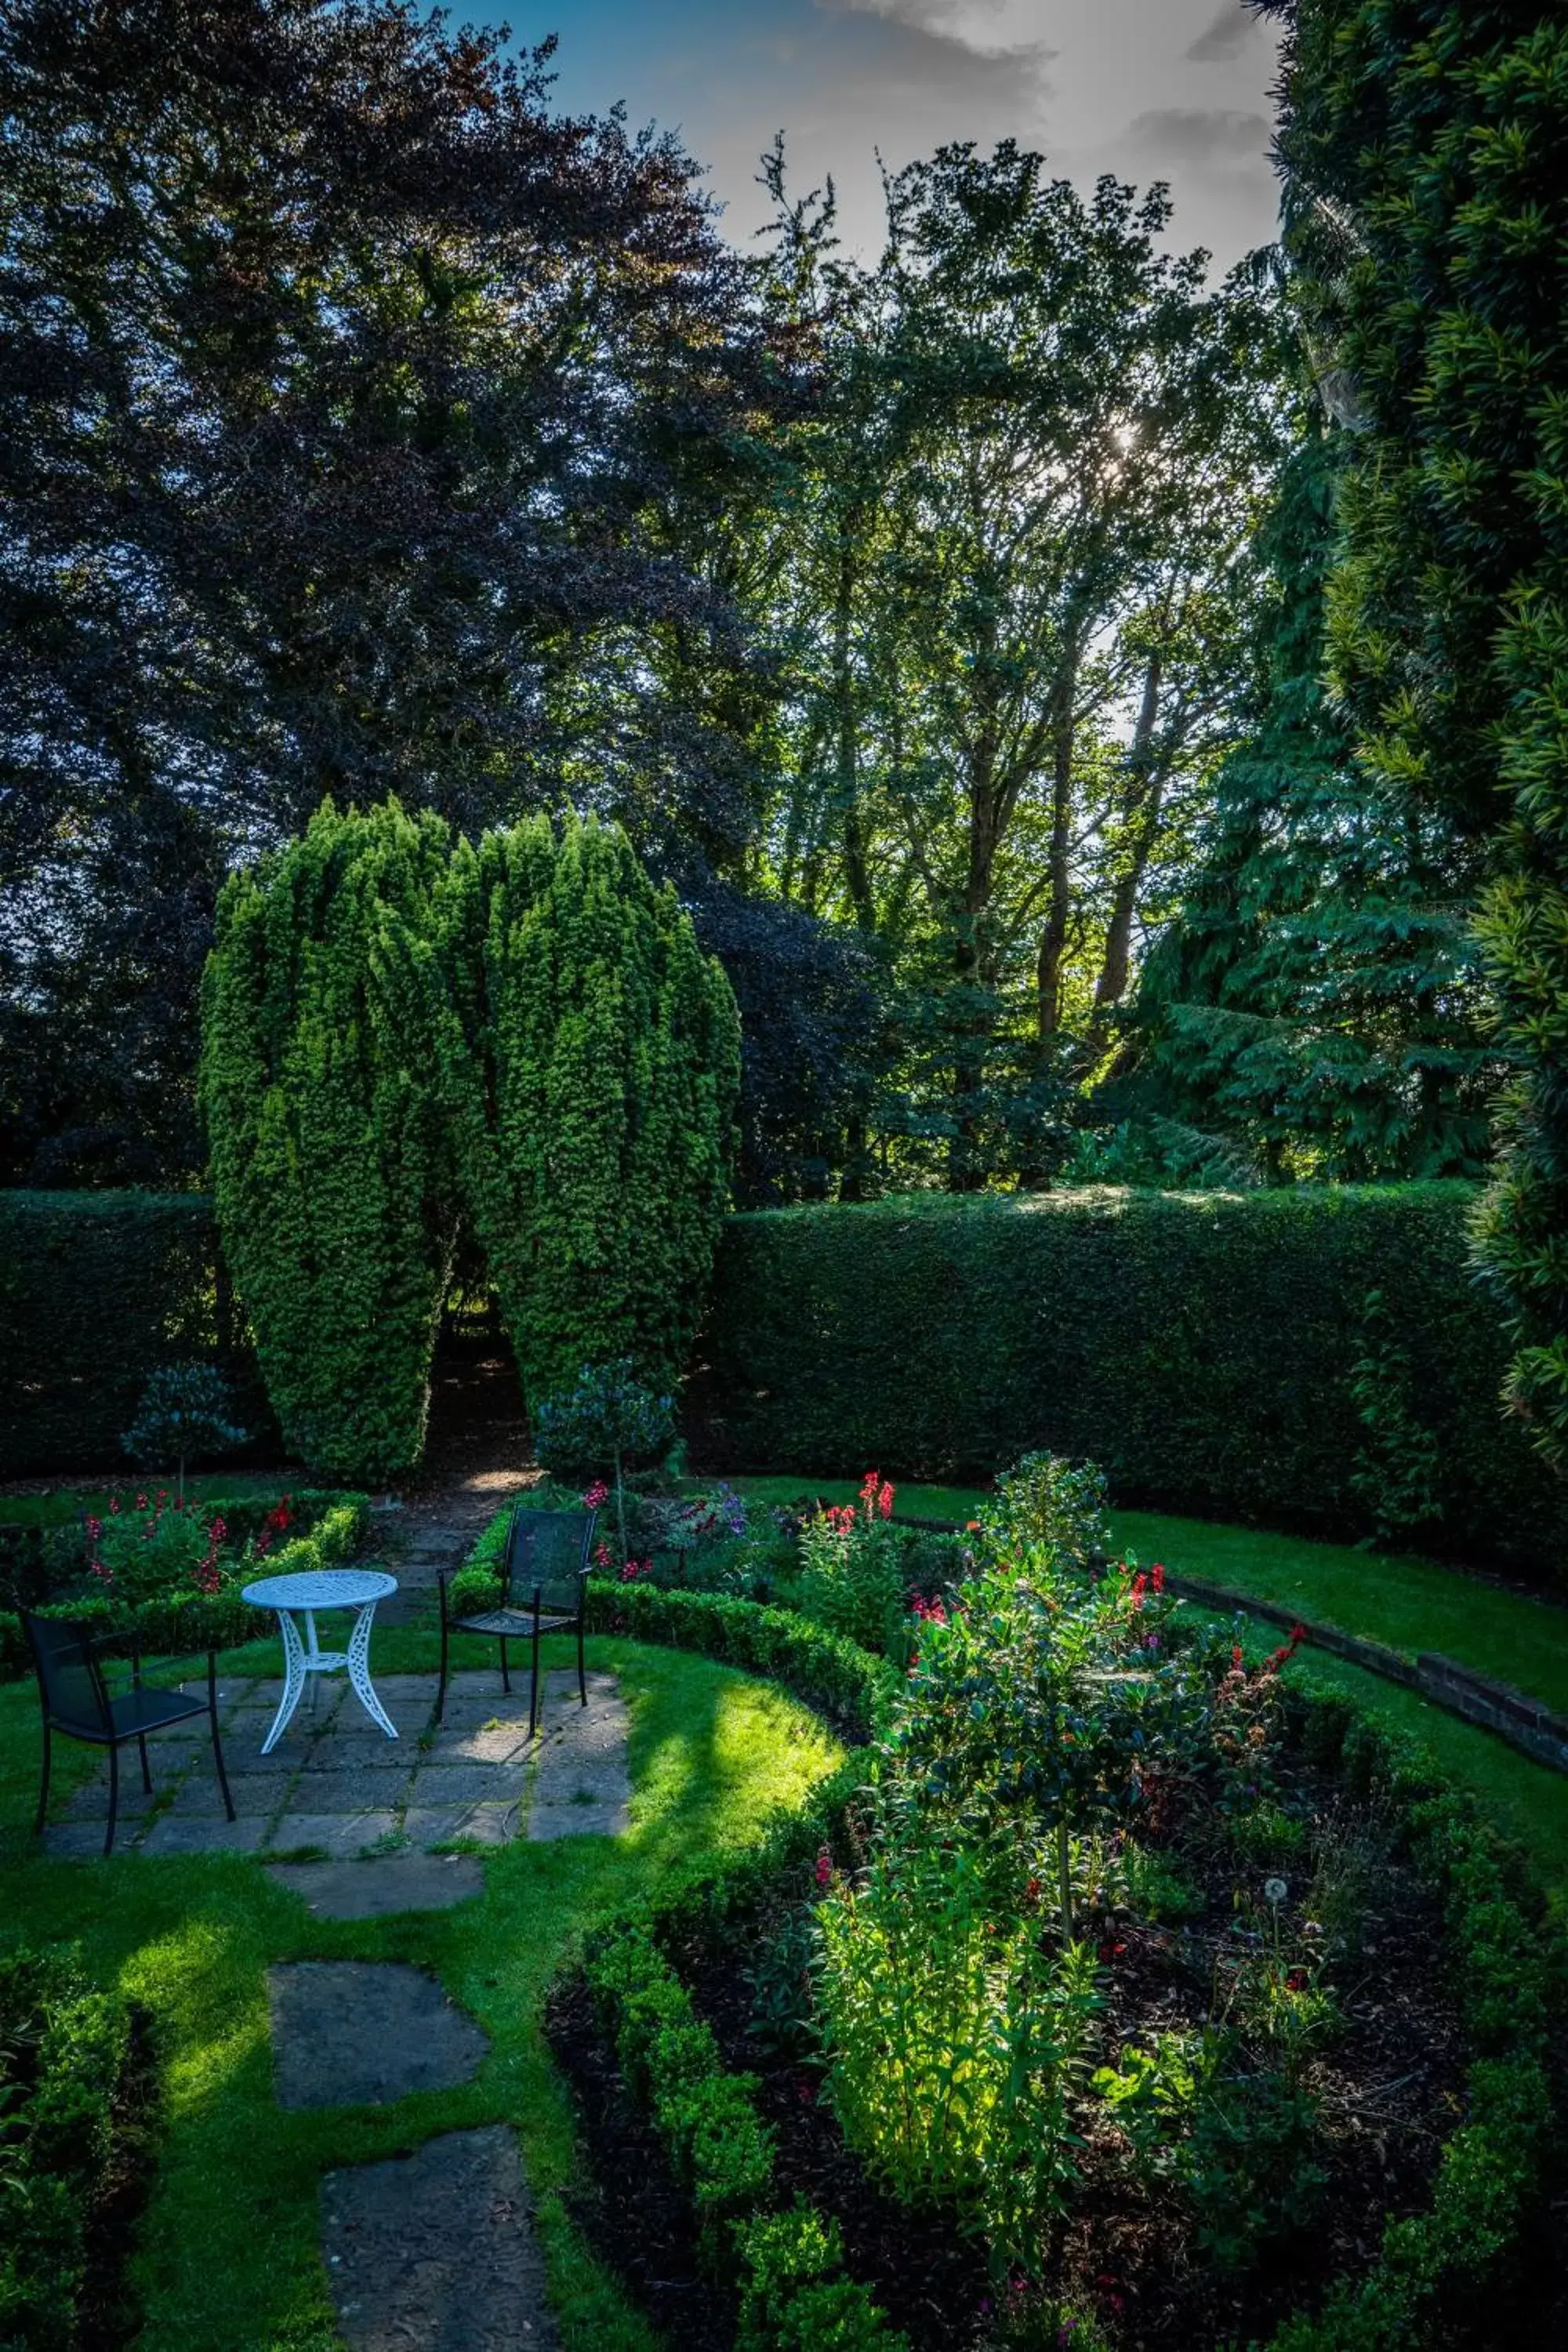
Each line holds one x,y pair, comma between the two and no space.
328,1588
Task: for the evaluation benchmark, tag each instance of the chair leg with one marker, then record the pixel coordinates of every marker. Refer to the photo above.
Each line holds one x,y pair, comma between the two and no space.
582,1676
113,1798
217,1743
44,1785
505,1671
146,1768
441,1685
533,1682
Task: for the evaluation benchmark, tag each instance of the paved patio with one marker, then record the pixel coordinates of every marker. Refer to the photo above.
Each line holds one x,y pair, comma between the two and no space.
335,1785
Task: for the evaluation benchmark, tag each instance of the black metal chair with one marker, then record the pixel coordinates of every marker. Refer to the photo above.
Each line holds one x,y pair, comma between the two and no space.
546,1557
78,1703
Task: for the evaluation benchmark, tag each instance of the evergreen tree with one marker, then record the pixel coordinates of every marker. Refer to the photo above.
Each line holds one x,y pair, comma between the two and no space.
1425,147
330,1171
589,1057
1316,1009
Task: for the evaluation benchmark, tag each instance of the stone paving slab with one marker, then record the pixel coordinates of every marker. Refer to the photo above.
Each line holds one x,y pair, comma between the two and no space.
253,1792
436,2251
581,1785
352,1790
341,1751
486,1740
482,1824
180,1833
360,2033
386,1883
335,1833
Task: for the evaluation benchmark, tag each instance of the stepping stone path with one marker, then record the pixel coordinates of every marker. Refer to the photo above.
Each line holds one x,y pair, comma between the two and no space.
360,2033
436,2251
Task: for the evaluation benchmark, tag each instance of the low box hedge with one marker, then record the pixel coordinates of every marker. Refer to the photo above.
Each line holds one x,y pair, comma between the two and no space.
1199,1346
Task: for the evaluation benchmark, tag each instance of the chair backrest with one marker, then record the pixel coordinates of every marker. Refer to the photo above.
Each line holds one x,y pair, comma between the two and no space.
68,1677
547,1549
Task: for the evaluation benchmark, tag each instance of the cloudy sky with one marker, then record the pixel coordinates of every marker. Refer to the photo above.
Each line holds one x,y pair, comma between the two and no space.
1171,89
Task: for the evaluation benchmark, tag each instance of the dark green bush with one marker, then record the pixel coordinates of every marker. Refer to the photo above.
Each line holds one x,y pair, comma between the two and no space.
64,2051
97,1289
1202,1346
789,2267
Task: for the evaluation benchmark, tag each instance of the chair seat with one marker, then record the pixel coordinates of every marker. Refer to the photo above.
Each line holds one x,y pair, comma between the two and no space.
149,1709
509,1621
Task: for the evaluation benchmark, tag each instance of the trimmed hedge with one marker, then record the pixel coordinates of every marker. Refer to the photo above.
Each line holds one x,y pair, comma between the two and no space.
97,1289
789,2267
65,2055
1200,1346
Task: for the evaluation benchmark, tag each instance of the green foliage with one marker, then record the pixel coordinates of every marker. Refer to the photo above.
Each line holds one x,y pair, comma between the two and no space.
64,2051
589,1062
600,1426
794,2297
1252,2168
1315,1009
1425,148
1198,1345
173,1585
852,1575
187,1413
957,2044
1397,1463
95,1290
331,1176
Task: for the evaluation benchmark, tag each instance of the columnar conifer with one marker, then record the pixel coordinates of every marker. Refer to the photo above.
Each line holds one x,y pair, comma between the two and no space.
590,1058
329,1166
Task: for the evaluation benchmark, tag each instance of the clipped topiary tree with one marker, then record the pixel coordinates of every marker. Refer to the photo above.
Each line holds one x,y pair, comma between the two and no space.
186,1411
330,1170
589,1056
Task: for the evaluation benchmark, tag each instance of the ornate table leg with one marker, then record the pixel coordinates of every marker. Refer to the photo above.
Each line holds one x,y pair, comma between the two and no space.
359,1671
293,1681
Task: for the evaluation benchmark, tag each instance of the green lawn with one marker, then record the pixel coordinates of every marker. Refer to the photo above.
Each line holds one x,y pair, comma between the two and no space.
228,2259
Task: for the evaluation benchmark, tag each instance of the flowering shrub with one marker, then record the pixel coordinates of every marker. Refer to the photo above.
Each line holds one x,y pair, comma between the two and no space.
851,1568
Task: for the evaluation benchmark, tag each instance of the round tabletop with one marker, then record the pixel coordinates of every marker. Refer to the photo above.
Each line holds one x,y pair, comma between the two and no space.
326,1588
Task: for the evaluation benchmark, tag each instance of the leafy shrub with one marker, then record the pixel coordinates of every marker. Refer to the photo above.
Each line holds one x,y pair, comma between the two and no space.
851,1569
607,1420
956,2046
795,2297
64,2051
588,1054
1199,1346
792,2291
1397,1471
186,1414
1251,2167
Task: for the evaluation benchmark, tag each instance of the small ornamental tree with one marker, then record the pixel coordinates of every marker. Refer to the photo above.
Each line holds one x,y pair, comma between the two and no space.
589,1053
329,1166
607,1420
186,1411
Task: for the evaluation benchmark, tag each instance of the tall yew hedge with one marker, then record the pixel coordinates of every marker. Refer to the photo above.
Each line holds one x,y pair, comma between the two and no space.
404,1032
329,1170
1201,1345
590,1062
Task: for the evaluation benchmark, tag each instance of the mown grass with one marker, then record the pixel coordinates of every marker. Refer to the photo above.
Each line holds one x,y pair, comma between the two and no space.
228,2259
62,1505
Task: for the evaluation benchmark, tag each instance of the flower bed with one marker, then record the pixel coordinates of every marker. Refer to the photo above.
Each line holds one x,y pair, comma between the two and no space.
168,1575
1129,1985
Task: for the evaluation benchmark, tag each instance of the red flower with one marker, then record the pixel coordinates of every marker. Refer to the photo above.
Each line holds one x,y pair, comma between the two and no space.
598,1493
94,1529
1158,1573
824,1867
885,1500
